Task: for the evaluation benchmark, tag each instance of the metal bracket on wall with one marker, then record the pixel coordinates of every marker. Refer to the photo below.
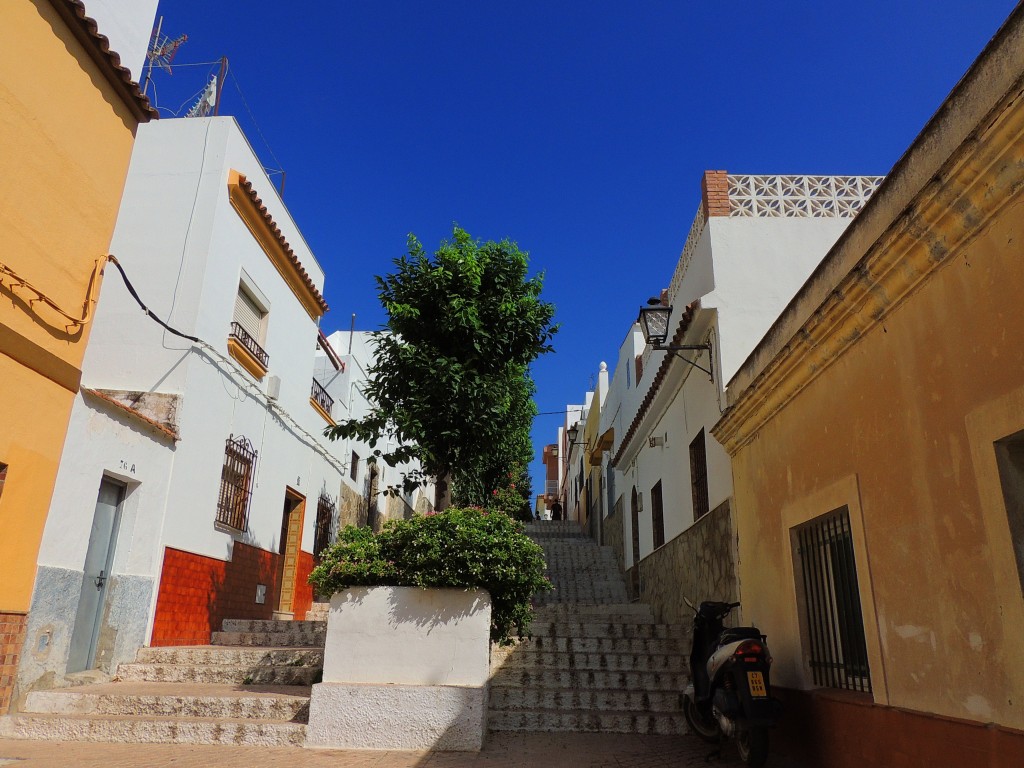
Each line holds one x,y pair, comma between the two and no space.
675,349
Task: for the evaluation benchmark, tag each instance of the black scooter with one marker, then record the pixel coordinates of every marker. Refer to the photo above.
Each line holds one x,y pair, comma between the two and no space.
729,695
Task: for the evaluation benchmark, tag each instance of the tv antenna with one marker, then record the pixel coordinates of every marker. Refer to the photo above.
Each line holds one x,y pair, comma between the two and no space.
161,52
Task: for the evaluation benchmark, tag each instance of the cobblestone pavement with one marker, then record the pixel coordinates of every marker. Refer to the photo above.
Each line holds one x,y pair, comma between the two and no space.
532,750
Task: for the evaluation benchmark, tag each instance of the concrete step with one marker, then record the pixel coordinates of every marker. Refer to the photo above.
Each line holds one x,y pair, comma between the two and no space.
630,662
232,655
637,628
139,729
575,700
220,673
281,703
602,610
587,679
271,625
597,645
588,722
264,639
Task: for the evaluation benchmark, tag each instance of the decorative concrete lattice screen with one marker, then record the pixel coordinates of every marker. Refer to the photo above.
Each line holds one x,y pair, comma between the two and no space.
687,253
800,196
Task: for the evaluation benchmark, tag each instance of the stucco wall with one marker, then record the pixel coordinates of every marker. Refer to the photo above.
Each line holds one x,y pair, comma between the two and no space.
699,564
901,429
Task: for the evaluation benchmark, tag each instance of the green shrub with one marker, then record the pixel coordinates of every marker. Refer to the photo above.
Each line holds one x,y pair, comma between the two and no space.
465,548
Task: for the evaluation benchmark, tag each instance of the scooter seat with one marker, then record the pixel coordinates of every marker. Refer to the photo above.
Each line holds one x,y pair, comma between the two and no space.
732,634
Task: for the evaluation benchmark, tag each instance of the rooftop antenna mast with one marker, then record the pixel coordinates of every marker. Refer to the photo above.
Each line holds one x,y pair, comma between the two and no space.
161,52
209,100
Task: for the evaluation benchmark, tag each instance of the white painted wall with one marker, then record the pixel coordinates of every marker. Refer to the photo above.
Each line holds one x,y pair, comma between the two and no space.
128,24
184,247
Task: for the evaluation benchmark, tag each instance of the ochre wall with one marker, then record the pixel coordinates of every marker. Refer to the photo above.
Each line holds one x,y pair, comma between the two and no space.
197,593
67,139
900,429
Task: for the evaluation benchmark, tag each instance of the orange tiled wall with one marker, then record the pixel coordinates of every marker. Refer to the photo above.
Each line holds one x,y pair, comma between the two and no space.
197,593
12,637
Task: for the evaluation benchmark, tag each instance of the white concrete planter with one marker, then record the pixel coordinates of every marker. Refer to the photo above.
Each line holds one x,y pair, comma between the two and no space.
404,668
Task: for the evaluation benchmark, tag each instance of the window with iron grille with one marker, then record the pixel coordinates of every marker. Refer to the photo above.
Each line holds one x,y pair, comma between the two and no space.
353,467
699,475
1010,461
236,483
835,627
326,524
610,486
657,515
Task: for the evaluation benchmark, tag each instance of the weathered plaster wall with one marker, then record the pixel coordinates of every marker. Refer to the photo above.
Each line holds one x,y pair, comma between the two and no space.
699,563
901,429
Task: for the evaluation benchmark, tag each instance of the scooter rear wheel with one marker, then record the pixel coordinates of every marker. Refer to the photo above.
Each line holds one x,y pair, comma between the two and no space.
752,744
705,727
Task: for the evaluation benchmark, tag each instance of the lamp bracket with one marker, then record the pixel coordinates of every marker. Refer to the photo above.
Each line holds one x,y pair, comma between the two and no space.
675,349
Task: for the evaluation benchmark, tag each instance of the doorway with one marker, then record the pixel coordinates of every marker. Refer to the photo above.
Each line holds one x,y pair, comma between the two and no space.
291,540
99,559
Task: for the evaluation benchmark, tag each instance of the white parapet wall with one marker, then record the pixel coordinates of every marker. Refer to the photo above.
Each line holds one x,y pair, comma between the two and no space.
404,668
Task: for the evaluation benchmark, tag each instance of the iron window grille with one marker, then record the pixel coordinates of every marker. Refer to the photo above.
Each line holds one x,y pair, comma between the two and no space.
353,467
326,524
321,398
835,626
236,483
251,345
699,475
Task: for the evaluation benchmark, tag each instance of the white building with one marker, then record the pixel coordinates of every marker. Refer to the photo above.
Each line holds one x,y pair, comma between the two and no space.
196,483
753,243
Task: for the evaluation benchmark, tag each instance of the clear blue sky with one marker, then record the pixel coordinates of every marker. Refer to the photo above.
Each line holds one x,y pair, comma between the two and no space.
578,129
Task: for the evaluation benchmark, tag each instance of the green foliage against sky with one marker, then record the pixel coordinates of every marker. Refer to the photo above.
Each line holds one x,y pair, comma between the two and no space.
451,376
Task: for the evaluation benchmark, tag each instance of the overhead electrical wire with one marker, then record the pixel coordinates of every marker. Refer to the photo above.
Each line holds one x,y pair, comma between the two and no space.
311,441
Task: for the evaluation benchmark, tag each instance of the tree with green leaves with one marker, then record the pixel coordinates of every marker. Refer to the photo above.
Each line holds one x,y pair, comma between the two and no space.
450,381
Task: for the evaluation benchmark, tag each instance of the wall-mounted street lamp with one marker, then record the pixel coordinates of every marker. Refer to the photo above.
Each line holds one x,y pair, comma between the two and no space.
654,324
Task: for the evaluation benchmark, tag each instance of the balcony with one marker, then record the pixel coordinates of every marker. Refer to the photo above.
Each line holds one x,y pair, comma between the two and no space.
246,350
321,401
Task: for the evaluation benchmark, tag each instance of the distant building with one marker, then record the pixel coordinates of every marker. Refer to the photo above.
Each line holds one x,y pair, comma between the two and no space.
71,109
752,244
877,440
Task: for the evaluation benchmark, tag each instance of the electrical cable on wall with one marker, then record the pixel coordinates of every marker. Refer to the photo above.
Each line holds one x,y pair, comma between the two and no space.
241,377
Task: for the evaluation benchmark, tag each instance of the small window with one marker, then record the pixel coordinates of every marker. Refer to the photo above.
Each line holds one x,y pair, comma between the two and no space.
236,483
326,524
699,475
831,596
657,515
249,325
353,467
3,477
610,487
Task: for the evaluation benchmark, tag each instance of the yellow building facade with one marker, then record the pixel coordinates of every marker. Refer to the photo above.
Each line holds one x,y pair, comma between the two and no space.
877,436
67,128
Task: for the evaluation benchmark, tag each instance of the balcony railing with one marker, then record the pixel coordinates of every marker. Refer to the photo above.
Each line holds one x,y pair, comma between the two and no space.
250,344
321,398
552,488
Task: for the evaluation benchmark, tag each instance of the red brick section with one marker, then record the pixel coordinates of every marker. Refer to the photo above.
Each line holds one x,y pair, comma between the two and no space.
714,190
12,638
303,600
843,730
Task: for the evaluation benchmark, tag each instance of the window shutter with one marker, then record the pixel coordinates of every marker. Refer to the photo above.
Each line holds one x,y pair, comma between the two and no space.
248,315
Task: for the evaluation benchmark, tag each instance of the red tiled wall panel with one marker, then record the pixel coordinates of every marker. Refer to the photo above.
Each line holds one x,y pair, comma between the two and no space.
197,593
12,638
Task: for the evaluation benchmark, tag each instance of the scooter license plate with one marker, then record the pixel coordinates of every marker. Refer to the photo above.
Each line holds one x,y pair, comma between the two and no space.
756,682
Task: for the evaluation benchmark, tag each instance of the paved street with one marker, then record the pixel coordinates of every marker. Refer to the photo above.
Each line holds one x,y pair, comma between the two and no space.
534,750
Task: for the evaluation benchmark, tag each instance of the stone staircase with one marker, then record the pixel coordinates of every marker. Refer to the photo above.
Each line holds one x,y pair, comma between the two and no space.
596,662
251,686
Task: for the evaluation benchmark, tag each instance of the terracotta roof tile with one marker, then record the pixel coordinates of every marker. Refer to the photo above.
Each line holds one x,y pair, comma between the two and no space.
257,201
98,46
